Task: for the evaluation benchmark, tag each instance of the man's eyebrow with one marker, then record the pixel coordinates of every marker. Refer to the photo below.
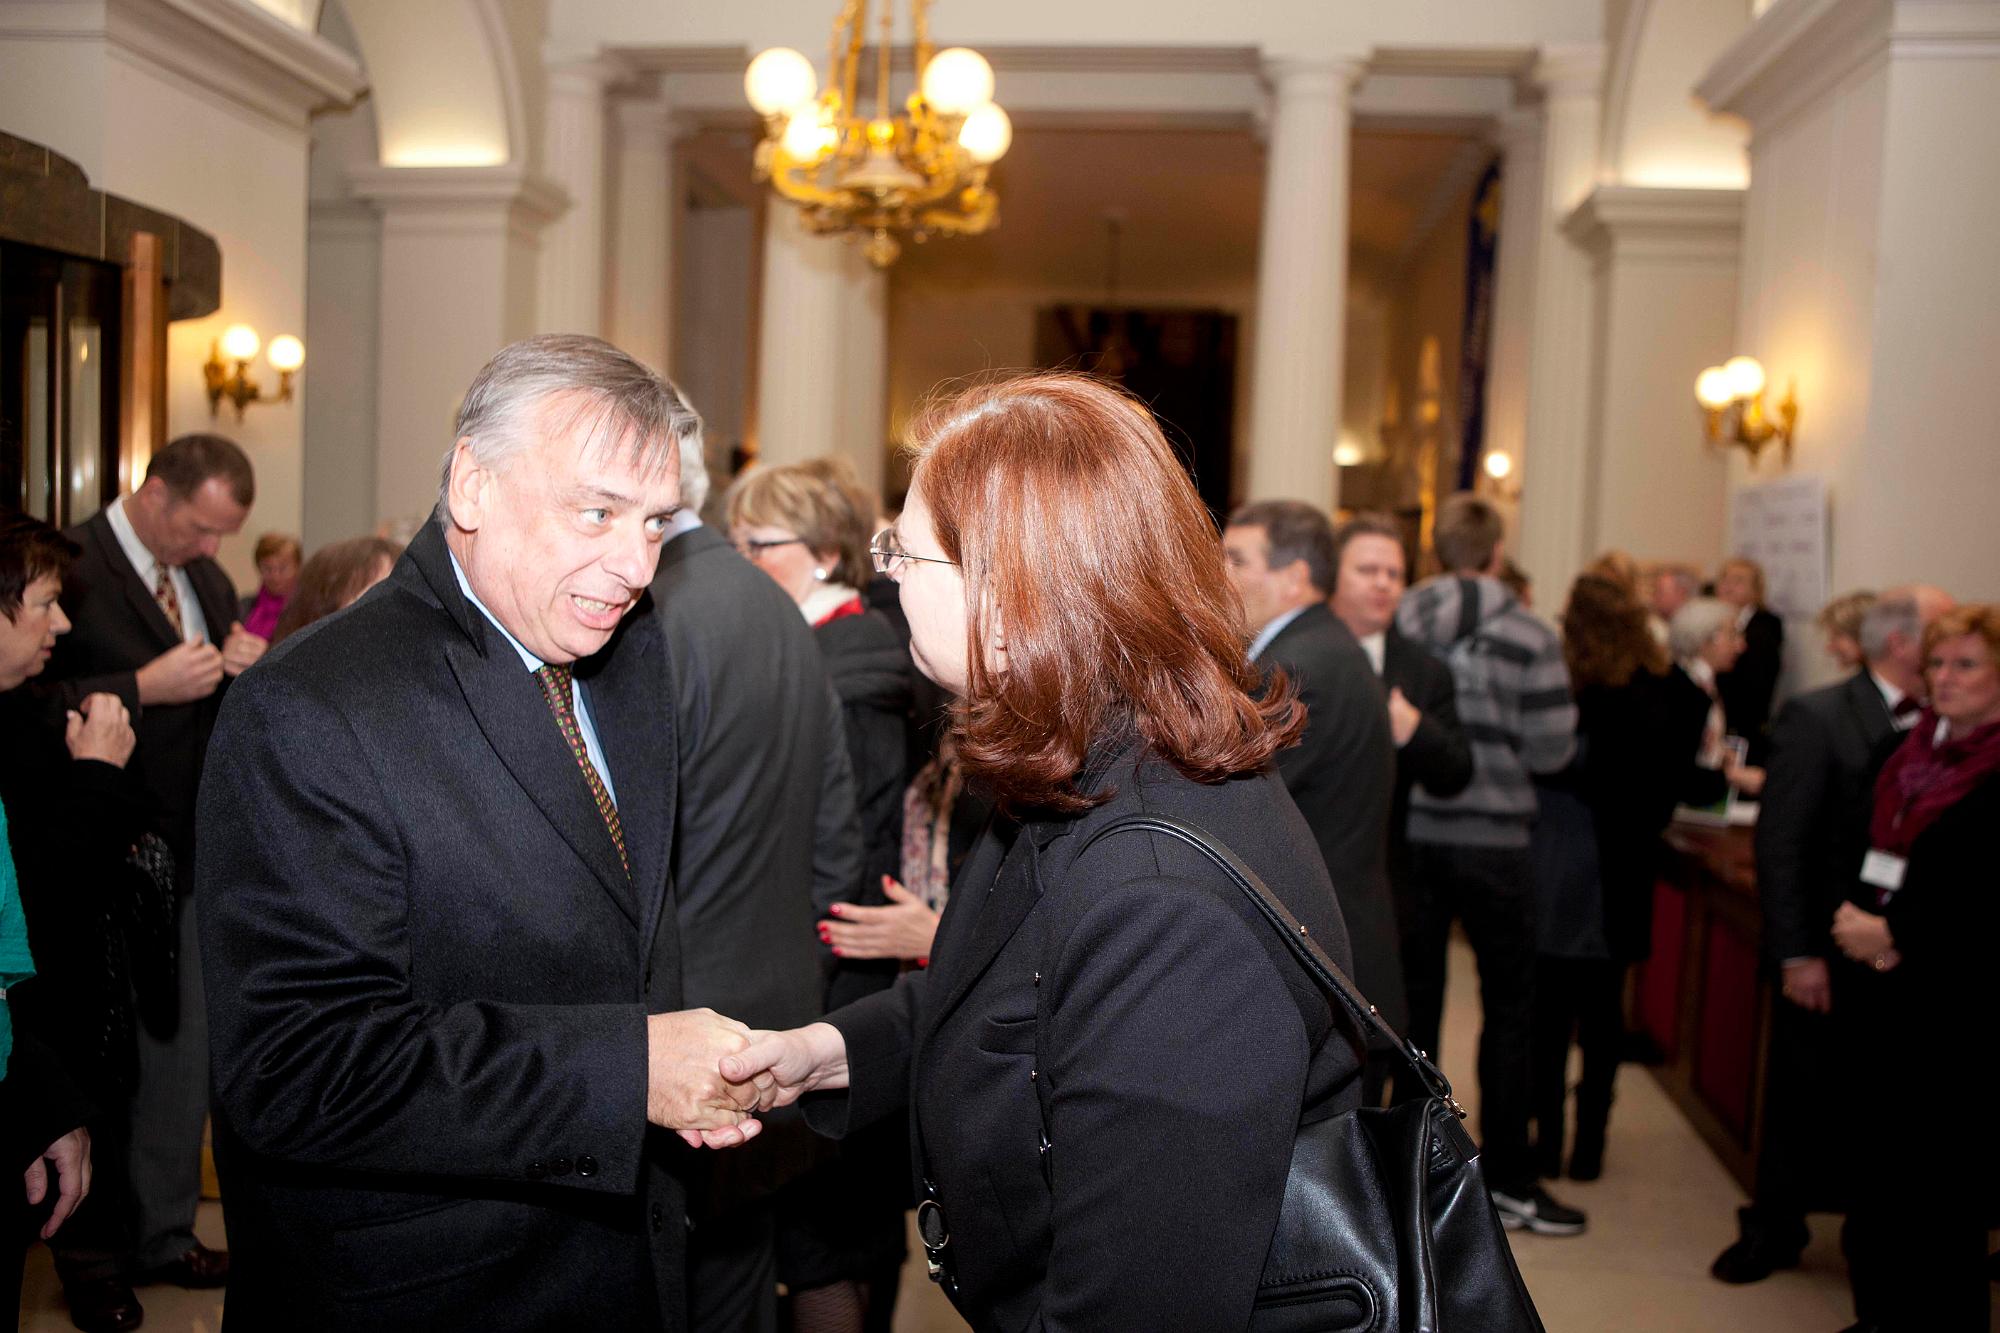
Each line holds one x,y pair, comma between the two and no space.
600,493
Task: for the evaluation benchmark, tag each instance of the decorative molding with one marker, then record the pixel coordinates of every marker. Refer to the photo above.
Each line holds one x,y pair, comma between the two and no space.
507,69
461,199
1618,83
1633,221
1794,54
1569,71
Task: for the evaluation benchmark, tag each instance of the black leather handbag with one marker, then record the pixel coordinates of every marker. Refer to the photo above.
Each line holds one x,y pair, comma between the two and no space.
1386,1223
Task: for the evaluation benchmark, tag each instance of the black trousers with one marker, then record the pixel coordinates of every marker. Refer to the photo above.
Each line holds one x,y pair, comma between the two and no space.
1808,1090
1489,890
1581,998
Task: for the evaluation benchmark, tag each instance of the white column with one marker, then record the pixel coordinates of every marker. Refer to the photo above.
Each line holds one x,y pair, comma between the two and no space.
571,284
1555,486
1296,367
643,214
822,349
1519,139
458,284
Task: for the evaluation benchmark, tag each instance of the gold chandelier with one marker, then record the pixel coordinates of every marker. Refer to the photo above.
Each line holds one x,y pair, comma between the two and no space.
915,174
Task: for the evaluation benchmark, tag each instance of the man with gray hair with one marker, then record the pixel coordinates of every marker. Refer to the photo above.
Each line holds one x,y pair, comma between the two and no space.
1827,745
444,967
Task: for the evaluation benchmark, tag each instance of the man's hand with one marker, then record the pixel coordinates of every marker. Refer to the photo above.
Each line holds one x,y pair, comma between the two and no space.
1806,984
785,1066
181,675
1864,937
100,728
241,650
684,1090
70,1155
902,929
1743,777
1403,717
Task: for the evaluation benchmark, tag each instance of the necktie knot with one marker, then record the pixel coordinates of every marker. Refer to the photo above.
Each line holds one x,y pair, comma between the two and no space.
1907,706
555,680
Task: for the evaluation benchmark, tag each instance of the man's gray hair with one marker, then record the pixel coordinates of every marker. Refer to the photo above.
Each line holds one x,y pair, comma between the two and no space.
1896,613
1695,624
624,404
694,473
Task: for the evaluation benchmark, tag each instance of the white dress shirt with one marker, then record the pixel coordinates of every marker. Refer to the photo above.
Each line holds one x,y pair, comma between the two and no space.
1891,696
1376,645
1270,631
194,625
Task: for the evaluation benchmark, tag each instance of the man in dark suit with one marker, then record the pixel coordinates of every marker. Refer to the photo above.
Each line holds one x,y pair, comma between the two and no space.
155,624
1812,832
1431,748
443,955
765,840
1342,773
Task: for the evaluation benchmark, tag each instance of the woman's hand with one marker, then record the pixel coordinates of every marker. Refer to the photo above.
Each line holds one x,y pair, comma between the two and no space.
1864,937
100,728
71,1156
1748,780
902,929
784,1066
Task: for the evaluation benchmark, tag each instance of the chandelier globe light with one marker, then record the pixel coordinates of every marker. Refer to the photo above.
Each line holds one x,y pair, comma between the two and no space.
892,176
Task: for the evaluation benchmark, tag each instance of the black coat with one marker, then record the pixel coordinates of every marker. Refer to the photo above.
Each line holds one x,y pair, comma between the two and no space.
428,977
1179,1039
765,834
71,824
1827,745
39,1103
118,628
1437,755
869,664
1687,706
1342,775
1747,687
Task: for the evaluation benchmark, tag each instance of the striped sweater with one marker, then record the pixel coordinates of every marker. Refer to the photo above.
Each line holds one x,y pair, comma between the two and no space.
1513,702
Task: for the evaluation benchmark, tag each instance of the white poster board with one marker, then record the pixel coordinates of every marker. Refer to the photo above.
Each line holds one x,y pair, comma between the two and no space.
1782,525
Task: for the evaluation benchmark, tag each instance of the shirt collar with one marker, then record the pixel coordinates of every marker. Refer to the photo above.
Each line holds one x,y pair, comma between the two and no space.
1271,630
1890,694
528,659
1744,616
683,520
1376,645
142,560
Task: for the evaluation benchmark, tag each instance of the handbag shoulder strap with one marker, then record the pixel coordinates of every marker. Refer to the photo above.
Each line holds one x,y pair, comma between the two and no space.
1322,969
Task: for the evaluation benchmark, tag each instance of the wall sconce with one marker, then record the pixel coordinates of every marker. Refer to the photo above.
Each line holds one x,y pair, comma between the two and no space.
1732,396
1498,465
228,368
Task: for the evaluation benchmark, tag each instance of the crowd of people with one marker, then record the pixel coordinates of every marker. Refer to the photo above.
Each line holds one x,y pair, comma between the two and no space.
582,803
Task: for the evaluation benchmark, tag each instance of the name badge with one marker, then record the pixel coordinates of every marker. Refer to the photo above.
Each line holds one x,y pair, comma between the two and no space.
1884,871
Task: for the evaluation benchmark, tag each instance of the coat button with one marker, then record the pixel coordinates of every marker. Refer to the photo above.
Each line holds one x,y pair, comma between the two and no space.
586,1165
559,1166
536,1170
659,1216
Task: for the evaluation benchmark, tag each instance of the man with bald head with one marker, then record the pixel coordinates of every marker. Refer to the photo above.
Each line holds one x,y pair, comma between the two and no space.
443,962
1827,745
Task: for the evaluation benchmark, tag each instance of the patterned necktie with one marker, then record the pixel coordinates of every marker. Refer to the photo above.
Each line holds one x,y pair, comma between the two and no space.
555,683
170,601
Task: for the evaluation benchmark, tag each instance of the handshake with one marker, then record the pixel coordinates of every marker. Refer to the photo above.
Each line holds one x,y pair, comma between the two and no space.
708,1076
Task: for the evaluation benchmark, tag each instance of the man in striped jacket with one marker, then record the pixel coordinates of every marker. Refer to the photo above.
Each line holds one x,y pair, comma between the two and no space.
1471,850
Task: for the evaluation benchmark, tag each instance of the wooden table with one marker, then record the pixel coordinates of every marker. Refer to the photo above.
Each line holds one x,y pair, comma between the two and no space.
1704,998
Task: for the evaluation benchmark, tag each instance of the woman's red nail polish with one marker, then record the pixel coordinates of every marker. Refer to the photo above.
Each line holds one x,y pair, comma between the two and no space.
835,909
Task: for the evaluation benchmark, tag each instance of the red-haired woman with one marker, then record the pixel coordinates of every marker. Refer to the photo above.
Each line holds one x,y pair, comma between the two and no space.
1107,1059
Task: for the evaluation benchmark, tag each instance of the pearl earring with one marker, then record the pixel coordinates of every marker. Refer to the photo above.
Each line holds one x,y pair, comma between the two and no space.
820,574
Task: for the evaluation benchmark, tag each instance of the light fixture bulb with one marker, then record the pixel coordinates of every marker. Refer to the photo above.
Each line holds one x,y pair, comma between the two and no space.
1711,388
1347,454
780,81
1499,465
286,353
808,136
957,81
240,342
987,134
1746,376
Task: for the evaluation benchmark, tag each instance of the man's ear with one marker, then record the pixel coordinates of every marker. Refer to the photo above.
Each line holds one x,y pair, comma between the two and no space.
469,491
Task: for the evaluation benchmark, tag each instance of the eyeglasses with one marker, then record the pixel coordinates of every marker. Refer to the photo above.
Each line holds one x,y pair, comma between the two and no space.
750,548
887,549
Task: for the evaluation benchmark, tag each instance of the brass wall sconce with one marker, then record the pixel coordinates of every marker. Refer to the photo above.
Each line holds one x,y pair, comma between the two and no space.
1732,397
228,368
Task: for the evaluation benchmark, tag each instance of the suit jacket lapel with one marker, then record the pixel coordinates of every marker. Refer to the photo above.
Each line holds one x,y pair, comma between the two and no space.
978,921
217,596
137,594
512,715
630,688
1871,713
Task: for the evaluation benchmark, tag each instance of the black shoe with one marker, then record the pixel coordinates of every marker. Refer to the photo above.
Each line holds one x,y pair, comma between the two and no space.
1761,1251
1535,1209
104,1305
199,1269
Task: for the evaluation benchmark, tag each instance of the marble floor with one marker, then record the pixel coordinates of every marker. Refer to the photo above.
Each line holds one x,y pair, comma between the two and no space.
1663,1209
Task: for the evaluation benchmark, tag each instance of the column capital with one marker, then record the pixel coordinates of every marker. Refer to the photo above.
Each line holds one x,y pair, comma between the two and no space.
1517,130
1315,75
1653,222
648,118
1569,71
585,76
461,198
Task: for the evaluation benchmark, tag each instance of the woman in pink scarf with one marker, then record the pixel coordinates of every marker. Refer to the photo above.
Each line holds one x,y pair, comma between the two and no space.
1922,933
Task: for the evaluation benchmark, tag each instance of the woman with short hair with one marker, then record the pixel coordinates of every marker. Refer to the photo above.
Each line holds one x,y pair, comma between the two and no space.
1705,642
1918,936
1107,1061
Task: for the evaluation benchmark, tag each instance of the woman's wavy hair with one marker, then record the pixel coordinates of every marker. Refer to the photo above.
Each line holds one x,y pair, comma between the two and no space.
1086,551
1606,637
